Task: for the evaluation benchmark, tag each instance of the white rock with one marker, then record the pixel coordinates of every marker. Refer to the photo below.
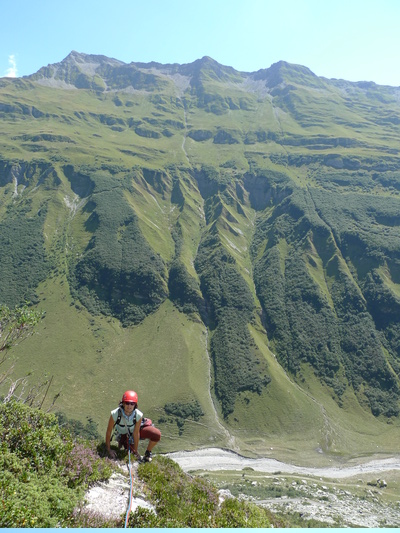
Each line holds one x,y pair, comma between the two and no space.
111,498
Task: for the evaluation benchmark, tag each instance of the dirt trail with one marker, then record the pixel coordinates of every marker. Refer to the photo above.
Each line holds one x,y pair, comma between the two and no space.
217,459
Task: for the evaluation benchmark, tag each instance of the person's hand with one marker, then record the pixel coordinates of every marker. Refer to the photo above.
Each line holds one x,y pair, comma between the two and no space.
112,454
137,455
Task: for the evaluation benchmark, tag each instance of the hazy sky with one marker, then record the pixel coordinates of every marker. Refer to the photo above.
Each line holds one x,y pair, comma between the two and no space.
356,40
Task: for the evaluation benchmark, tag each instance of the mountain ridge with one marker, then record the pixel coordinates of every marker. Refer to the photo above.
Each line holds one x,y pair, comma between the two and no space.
276,74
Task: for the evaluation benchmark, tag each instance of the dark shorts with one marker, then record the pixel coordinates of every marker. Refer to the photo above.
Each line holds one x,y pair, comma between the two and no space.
147,432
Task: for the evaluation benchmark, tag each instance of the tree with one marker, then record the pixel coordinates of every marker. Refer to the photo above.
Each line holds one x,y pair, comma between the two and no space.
16,325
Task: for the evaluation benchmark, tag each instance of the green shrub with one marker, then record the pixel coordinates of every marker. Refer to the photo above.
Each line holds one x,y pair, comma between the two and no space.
43,471
184,501
237,513
184,290
77,428
180,501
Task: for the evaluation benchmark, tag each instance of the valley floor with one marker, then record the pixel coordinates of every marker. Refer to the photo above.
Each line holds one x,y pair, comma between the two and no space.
216,459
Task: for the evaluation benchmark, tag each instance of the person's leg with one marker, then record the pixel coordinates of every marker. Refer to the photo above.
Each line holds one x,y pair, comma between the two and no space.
123,441
154,436
151,445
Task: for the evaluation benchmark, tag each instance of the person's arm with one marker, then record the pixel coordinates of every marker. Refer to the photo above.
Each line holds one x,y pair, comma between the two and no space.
109,431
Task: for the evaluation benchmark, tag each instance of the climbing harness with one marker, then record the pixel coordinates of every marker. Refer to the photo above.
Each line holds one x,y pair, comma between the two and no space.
129,426
128,422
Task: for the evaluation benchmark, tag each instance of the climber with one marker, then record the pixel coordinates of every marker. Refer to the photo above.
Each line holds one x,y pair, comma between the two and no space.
131,426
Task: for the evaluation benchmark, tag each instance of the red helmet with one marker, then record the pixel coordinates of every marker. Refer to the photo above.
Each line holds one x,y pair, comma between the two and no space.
129,396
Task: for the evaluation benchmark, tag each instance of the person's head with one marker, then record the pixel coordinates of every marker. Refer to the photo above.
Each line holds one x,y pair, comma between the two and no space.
129,401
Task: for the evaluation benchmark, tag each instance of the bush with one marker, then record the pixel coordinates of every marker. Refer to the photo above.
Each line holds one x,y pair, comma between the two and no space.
43,471
183,501
184,290
23,261
237,513
77,428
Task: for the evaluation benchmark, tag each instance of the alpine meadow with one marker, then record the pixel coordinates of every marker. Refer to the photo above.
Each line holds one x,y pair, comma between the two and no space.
225,243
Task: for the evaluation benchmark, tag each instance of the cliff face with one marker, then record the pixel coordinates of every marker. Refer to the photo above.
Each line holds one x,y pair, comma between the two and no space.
264,206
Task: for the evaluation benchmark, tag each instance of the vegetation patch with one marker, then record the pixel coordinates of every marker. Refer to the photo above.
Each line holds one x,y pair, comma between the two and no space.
340,343
184,290
119,273
183,501
22,251
237,364
43,471
180,412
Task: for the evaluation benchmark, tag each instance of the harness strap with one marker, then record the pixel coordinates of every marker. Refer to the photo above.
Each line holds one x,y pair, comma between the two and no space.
119,418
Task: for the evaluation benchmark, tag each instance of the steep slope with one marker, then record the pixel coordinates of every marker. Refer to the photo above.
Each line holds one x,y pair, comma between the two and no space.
263,206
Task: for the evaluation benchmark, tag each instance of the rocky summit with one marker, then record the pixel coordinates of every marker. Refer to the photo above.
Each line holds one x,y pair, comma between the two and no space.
226,243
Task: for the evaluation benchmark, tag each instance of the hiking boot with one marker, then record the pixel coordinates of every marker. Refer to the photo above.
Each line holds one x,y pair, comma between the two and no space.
147,457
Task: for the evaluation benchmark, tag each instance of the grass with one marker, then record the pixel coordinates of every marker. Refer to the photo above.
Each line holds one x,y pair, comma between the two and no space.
153,211
94,357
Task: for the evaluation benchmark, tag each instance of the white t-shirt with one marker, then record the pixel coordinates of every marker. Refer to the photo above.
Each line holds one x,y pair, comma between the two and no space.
126,424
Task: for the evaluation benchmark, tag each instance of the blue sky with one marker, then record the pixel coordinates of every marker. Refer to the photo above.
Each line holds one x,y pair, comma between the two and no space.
356,40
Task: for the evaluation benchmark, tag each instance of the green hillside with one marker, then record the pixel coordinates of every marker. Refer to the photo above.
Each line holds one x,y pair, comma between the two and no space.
225,243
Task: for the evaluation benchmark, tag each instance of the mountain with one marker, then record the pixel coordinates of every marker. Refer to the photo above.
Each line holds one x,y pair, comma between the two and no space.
227,243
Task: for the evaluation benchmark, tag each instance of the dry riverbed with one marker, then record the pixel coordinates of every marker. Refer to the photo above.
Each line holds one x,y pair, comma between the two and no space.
217,459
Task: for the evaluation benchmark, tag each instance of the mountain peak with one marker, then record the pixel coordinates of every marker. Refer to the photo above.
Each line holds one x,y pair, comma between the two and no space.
286,73
73,56
208,61
207,68
76,69
79,58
